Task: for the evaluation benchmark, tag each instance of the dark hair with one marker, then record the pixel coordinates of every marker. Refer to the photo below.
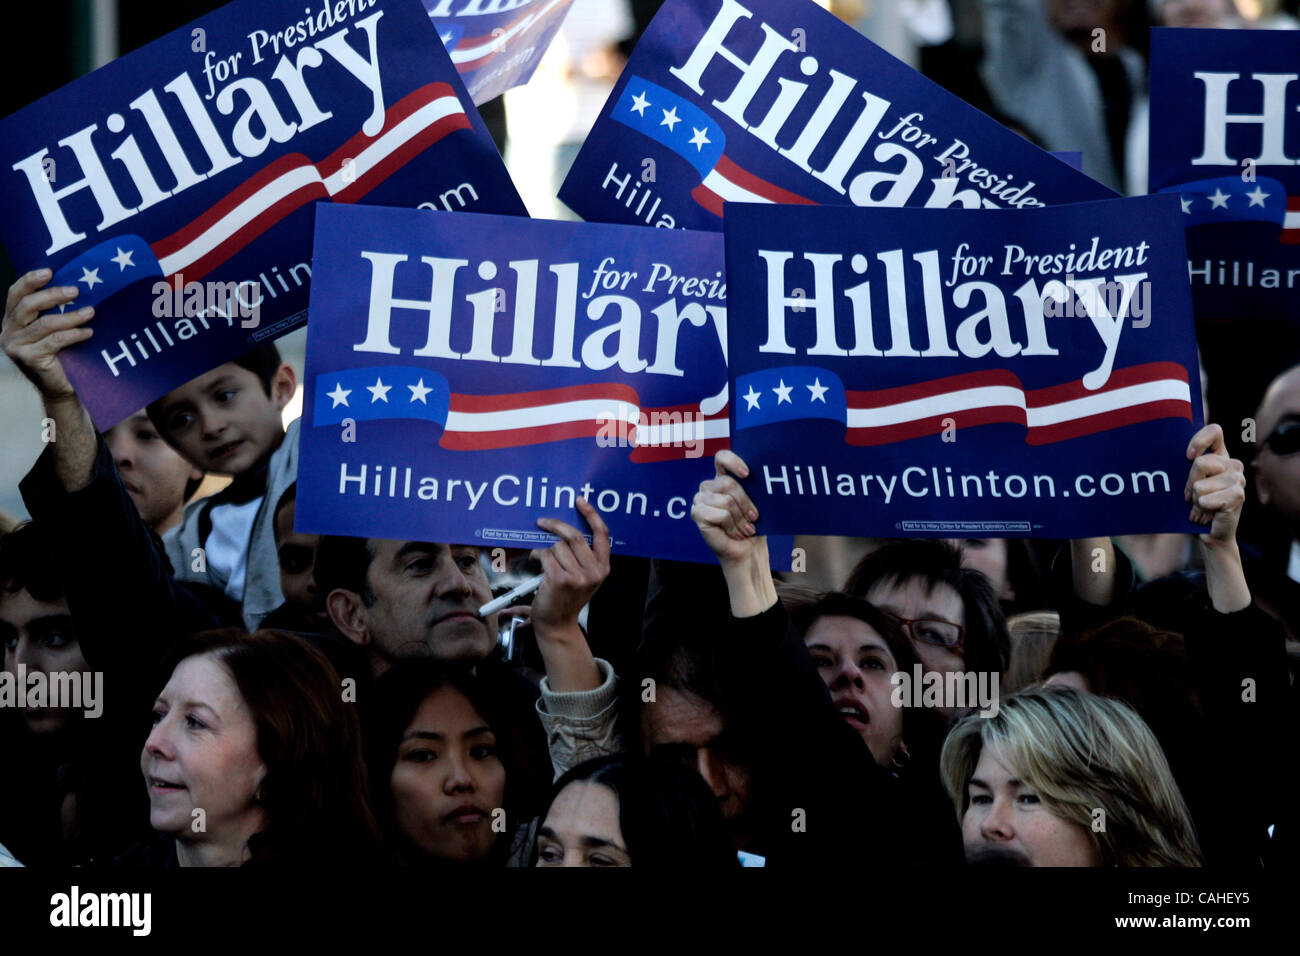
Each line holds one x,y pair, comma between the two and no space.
1143,666
987,646
262,361
667,813
394,699
315,795
27,563
344,563
287,498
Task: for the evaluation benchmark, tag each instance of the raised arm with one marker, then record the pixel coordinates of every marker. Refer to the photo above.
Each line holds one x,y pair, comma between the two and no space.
725,517
573,571
1216,490
33,336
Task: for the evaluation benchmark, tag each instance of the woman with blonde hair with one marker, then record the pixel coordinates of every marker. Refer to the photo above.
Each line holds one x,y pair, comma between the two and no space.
1063,778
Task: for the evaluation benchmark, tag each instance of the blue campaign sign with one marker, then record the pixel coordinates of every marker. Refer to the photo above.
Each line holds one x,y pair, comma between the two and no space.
175,186
1225,137
963,373
778,101
496,44
469,374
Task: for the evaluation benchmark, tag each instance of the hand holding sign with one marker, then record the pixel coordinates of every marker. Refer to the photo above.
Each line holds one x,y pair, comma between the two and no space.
573,570
725,516
34,334
1216,486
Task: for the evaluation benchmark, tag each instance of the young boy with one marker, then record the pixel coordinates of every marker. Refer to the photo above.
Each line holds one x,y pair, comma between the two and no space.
158,480
228,421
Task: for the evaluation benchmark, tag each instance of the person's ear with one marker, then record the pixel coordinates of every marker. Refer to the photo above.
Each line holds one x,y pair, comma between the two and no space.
348,613
283,384
1261,483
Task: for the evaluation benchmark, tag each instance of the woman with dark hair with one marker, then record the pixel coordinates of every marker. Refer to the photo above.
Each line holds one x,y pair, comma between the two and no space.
622,810
443,748
254,757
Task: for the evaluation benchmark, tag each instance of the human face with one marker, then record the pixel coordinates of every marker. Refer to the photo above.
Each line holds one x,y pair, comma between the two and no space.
153,473
223,421
688,729
1007,813
1277,477
989,557
202,755
909,600
297,554
855,663
448,780
39,635
426,603
1206,14
582,828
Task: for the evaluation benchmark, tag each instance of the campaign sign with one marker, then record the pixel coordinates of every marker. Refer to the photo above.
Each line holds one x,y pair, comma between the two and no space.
469,374
496,44
778,101
963,373
175,186
1225,137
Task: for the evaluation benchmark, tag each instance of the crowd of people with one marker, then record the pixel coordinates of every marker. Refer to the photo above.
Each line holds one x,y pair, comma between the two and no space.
275,697
264,696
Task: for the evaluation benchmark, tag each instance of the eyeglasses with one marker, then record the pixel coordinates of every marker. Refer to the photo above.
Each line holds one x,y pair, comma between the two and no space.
939,633
1285,439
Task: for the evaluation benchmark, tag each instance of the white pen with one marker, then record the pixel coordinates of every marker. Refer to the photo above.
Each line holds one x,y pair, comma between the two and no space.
505,600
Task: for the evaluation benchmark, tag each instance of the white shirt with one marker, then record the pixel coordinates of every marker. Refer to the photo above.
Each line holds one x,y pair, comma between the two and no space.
226,546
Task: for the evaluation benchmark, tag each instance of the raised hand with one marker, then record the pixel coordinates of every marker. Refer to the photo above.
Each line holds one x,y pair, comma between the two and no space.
34,334
1216,486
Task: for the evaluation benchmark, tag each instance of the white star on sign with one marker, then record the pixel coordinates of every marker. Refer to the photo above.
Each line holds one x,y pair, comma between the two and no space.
1219,200
1187,206
751,399
1257,197
90,277
699,140
123,259
783,393
670,119
818,391
379,390
418,391
639,103
340,395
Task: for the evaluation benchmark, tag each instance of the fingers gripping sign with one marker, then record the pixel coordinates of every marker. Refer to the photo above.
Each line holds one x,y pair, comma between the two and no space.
34,332
724,513
573,570
1216,485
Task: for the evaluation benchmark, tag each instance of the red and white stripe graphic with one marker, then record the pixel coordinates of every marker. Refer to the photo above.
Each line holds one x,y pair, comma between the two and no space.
1140,393
411,125
477,422
727,182
473,52
1291,222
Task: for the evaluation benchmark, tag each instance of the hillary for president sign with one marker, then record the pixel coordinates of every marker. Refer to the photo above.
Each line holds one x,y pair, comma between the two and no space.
1225,137
962,373
496,44
777,101
175,186
469,374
